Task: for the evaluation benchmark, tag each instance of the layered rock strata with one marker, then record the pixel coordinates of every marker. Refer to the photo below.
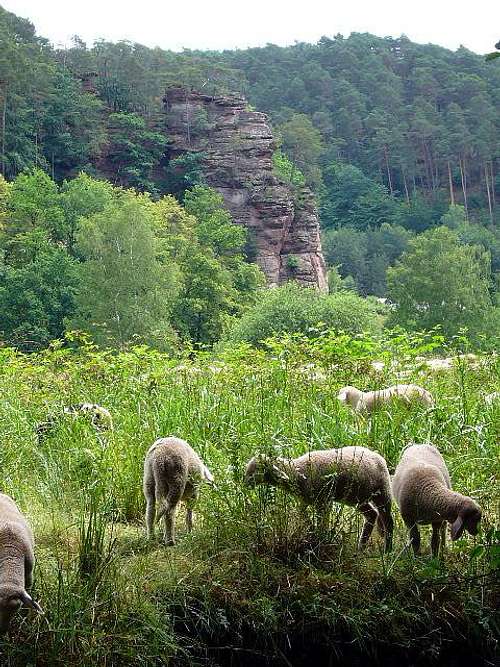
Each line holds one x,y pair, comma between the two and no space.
235,146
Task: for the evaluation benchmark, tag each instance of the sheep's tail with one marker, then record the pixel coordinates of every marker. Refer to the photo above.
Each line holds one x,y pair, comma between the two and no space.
207,475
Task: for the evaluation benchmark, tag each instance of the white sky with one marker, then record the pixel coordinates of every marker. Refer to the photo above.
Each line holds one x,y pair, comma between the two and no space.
219,24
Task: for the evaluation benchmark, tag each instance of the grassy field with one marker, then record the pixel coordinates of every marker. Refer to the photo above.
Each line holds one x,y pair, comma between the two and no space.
255,583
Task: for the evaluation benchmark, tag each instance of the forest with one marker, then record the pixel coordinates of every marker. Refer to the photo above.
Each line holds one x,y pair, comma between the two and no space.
399,141
126,288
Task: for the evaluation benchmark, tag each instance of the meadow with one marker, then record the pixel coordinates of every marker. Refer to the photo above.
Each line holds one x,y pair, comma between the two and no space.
255,582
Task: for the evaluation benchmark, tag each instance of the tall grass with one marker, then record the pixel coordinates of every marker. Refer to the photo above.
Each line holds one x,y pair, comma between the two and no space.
256,580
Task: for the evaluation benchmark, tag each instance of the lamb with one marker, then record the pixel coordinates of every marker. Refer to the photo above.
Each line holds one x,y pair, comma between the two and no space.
16,562
173,471
369,400
354,476
422,488
99,417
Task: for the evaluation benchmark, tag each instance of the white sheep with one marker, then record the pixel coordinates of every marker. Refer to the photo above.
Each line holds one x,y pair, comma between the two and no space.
173,471
353,476
16,562
422,489
366,401
490,399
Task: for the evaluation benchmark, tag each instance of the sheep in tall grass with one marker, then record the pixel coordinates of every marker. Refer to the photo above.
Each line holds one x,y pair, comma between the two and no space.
98,416
367,401
422,488
173,471
354,476
16,562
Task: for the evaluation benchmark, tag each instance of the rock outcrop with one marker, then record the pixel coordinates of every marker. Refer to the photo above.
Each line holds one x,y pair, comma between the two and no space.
235,147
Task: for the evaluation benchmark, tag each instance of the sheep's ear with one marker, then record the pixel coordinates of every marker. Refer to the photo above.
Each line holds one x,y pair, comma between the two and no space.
342,395
457,528
27,600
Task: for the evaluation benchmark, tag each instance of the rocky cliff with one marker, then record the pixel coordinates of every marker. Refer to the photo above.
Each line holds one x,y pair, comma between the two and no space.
235,147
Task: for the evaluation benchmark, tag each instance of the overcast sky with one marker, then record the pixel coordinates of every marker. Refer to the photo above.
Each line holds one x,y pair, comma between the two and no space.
221,24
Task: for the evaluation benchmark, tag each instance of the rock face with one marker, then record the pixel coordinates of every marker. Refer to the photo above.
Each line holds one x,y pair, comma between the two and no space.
235,146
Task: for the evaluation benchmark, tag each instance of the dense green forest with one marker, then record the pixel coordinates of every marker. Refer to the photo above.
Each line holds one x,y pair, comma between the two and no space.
399,141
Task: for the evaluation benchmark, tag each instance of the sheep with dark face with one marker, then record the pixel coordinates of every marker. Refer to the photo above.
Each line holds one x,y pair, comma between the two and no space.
16,562
173,472
353,476
422,489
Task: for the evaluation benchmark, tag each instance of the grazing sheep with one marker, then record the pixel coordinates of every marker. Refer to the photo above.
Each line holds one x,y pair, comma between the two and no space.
366,401
490,399
173,471
16,562
99,417
422,488
353,476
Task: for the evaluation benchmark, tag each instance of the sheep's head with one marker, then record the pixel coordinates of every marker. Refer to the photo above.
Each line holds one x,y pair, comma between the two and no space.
11,600
468,519
264,470
349,395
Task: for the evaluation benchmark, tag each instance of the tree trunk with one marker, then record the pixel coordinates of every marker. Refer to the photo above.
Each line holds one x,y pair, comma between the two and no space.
450,181
407,194
188,125
4,119
463,177
490,207
388,170
493,194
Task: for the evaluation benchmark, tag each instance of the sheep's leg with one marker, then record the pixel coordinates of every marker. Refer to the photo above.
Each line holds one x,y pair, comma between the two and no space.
370,514
385,524
149,493
173,498
189,519
437,535
150,516
28,572
415,539
169,525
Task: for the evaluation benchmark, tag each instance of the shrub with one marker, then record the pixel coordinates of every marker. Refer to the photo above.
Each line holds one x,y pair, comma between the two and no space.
296,309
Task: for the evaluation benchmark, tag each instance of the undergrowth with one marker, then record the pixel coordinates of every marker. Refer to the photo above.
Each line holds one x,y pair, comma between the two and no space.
256,582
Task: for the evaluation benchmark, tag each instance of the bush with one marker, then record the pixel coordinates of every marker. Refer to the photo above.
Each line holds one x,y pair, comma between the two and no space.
296,309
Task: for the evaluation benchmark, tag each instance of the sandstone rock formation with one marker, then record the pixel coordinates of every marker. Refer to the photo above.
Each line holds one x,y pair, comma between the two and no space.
235,146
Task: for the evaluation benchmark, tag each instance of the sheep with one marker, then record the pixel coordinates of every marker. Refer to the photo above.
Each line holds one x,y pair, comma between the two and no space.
173,472
99,417
490,399
354,476
422,489
16,562
369,400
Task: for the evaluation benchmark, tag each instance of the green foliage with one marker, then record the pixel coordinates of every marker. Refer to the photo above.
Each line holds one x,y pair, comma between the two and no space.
37,289
257,569
351,198
124,291
285,169
364,256
218,284
134,150
440,282
296,309
301,141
